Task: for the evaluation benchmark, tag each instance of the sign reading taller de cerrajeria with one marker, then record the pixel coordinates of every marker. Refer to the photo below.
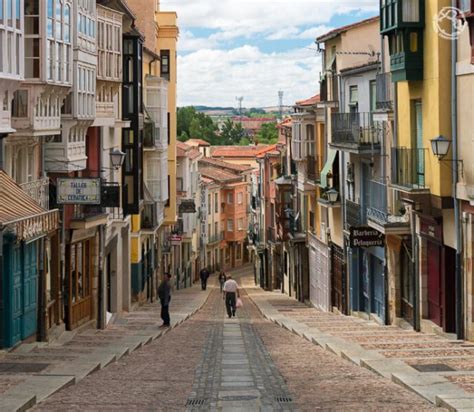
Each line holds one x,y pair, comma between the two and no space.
365,236
78,191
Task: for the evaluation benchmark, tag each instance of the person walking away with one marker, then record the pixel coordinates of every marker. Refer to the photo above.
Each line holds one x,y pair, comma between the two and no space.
164,293
231,291
204,274
222,279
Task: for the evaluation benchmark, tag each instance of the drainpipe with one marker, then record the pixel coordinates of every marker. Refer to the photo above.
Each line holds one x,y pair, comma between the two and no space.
454,120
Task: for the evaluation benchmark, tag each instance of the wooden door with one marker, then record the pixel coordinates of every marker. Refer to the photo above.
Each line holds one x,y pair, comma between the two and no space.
16,294
30,289
378,287
338,281
434,283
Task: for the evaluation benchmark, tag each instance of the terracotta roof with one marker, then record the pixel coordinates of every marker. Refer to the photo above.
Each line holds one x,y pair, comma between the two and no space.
333,33
225,165
285,123
197,142
309,102
268,150
239,151
194,154
181,149
15,204
219,175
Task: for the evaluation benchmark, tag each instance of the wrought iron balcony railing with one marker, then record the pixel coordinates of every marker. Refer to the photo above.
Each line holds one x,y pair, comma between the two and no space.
355,129
379,210
409,168
312,164
39,191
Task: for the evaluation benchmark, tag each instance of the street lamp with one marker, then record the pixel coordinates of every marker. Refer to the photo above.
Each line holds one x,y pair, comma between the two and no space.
117,158
332,195
440,147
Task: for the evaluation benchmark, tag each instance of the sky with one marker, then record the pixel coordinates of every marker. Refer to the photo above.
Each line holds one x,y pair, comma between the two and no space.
254,48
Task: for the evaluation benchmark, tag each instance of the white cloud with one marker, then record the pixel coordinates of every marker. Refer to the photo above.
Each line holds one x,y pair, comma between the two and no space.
216,77
245,18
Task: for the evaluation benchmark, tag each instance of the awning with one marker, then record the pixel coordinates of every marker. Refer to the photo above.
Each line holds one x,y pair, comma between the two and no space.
21,213
328,168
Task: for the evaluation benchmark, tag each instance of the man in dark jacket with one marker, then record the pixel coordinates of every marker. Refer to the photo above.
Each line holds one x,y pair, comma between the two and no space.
164,293
204,275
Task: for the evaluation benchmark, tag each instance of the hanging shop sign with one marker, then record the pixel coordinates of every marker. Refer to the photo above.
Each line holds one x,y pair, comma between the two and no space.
78,191
187,206
365,237
175,240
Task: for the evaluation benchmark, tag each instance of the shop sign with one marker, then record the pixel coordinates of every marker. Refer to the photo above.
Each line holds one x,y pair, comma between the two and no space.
187,206
175,240
78,191
365,237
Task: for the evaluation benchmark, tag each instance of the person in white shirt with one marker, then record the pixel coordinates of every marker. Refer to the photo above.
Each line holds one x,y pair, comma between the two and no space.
231,292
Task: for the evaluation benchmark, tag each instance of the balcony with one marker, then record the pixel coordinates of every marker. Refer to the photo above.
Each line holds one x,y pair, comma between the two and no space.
356,133
384,92
148,217
353,214
88,217
215,238
39,191
312,171
271,235
386,219
151,135
409,169
401,14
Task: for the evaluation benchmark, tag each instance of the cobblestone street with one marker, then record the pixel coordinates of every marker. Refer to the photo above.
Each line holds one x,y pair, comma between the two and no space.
246,363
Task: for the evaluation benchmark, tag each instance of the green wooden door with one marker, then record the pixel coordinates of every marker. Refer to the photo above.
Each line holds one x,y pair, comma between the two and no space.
30,289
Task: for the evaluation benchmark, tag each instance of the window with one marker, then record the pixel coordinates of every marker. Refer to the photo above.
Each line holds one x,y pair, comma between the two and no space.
238,252
209,204
216,228
216,202
230,198
240,198
241,224
353,95
411,11
373,95
165,64
20,104
230,225
413,42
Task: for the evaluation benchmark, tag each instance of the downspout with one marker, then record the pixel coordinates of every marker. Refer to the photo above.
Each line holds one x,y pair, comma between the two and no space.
454,124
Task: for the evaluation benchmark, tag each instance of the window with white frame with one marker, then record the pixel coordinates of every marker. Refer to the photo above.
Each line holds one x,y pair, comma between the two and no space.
11,38
241,223
240,198
58,43
230,225
109,45
230,198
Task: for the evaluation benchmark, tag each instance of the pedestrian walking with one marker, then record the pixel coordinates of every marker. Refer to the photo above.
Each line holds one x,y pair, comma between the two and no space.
222,279
204,275
231,292
164,293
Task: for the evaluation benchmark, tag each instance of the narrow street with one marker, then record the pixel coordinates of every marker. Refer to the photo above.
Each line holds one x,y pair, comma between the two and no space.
210,362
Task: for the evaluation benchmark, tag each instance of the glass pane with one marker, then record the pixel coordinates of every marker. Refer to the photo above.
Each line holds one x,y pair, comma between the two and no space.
50,8
1,12
18,13
411,11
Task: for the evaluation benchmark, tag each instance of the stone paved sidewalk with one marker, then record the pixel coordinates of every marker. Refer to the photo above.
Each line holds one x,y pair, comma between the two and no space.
439,369
33,372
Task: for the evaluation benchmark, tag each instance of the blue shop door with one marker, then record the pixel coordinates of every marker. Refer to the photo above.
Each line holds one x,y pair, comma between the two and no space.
378,281
16,305
30,290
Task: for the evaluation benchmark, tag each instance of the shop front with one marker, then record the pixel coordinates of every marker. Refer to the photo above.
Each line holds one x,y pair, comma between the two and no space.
24,228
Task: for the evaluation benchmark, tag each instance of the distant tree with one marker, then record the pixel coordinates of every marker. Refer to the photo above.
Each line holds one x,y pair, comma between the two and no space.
194,125
231,133
268,134
245,141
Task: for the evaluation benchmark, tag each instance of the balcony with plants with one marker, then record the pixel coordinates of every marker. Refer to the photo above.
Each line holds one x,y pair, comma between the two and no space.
386,211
